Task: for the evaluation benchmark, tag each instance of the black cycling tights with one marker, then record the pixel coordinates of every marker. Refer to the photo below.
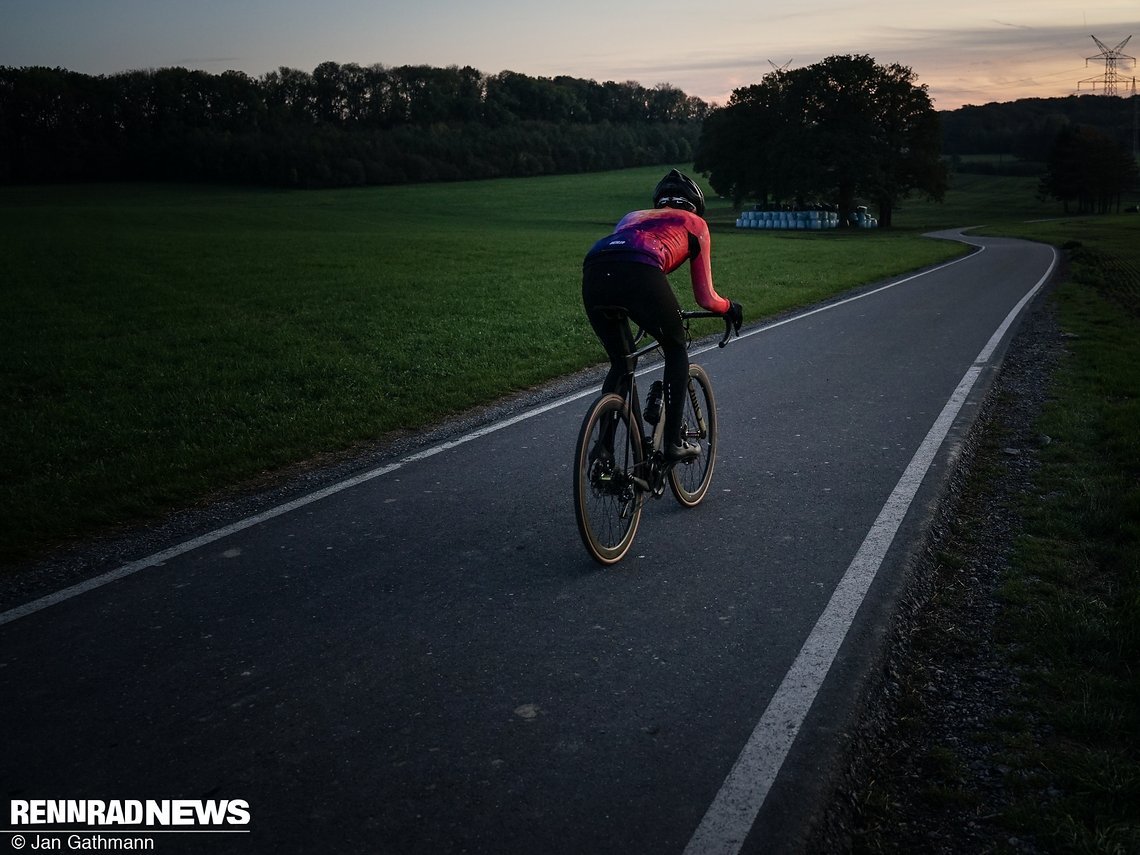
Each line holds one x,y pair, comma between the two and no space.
644,292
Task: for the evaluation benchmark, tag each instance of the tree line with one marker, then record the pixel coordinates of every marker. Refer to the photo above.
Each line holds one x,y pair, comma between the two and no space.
1081,147
1026,129
338,125
824,134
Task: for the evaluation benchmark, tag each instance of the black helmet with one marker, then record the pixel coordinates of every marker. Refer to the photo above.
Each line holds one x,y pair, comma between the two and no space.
677,190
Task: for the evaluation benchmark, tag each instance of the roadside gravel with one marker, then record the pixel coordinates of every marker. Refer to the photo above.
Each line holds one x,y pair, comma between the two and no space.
924,772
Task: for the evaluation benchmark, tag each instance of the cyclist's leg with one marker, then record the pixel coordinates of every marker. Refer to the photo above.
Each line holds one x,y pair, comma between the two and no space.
617,339
654,306
604,287
676,383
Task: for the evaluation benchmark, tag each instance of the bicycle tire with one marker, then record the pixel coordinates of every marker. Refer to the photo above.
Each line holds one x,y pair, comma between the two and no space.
608,503
690,480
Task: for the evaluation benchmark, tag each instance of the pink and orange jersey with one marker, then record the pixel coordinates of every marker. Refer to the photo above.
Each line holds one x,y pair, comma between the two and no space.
665,238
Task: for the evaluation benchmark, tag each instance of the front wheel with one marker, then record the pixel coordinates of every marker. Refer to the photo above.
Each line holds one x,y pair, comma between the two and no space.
690,480
607,500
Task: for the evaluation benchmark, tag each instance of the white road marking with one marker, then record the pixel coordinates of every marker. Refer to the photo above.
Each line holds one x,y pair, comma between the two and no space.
729,819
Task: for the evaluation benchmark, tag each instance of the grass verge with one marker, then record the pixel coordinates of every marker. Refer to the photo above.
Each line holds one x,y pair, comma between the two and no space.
1071,616
1013,723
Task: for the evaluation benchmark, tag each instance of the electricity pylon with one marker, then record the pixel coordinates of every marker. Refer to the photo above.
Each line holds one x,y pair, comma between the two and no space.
1110,57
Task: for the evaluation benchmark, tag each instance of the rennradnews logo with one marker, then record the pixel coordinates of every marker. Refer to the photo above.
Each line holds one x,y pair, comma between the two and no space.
178,813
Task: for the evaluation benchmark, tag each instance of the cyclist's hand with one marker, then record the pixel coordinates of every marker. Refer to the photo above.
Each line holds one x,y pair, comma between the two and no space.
735,315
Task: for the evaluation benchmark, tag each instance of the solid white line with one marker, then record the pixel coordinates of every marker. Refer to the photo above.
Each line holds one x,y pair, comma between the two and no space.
210,537
729,818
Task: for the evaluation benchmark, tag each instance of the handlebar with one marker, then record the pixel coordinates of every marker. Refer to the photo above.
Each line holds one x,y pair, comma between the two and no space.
686,314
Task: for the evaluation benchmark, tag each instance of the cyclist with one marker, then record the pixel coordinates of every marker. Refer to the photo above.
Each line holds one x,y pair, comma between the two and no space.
628,268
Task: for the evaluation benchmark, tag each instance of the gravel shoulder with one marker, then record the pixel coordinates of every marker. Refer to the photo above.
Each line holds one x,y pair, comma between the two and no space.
921,772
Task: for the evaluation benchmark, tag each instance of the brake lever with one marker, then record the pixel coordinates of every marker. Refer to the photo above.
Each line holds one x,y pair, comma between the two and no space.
727,333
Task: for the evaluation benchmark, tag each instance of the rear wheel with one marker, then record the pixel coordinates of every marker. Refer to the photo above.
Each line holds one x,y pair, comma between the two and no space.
690,480
607,501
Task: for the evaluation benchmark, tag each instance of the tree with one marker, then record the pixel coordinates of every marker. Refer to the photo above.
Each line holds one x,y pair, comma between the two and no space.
841,128
290,94
740,146
1088,167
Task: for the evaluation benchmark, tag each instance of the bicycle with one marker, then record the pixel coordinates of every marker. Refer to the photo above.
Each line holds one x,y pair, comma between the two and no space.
618,463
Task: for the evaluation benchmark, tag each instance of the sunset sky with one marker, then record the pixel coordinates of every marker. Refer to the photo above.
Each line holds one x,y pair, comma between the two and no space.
966,52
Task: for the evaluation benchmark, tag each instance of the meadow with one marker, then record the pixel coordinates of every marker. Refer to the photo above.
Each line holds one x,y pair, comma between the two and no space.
163,342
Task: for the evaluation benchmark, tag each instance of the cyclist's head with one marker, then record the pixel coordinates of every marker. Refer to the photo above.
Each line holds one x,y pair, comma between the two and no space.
677,190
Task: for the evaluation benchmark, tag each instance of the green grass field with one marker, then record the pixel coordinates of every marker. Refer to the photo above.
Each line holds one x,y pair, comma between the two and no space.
163,342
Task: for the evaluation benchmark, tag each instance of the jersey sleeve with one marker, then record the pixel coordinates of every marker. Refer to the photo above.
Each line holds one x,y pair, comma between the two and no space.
700,268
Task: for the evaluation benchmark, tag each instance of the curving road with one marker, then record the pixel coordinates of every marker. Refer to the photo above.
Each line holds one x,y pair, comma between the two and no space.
423,659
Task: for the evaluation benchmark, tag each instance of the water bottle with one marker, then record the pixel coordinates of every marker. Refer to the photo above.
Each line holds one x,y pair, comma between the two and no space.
653,403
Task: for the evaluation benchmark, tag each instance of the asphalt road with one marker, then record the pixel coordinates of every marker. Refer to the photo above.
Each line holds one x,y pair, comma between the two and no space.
425,659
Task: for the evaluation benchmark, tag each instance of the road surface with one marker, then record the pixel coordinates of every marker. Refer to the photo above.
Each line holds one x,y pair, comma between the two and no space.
422,659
